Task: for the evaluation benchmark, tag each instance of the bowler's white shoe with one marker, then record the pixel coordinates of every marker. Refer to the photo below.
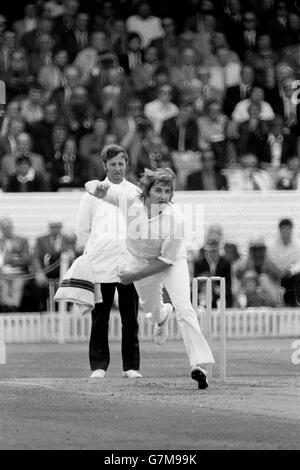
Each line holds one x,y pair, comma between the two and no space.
131,374
161,330
98,374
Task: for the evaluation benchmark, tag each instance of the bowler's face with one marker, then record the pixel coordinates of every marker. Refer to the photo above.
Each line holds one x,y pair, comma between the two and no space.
115,169
159,195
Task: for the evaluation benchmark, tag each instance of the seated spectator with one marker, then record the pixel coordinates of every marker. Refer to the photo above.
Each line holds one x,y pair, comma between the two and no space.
90,147
75,38
212,131
143,75
161,109
12,111
241,110
132,57
264,60
51,77
168,45
209,177
269,275
14,262
30,40
226,73
17,78
252,294
8,143
80,113
180,133
153,154
294,27
289,175
182,74
41,131
28,23
248,176
239,92
47,252
68,171
43,55
246,40
213,264
8,46
209,92
279,27
288,107
23,147
25,179
90,57
147,26
280,145
59,135
285,253
62,95
119,36
31,107
116,87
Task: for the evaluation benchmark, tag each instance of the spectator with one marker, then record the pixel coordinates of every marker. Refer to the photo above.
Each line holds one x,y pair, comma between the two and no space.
168,45
143,75
289,175
43,55
90,57
47,252
30,40
80,112
28,23
41,131
23,147
279,144
51,77
180,133
251,293
12,111
241,114
182,74
31,107
3,24
75,38
8,143
154,154
279,26
226,73
132,57
214,264
119,37
90,147
68,171
287,107
59,136
25,179
162,108
285,253
263,60
14,262
247,39
249,177
268,274
233,22
62,95
242,91
209,177
147,26
7,48
212,131
17,79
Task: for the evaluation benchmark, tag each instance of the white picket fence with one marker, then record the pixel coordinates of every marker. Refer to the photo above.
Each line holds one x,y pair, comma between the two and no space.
54,327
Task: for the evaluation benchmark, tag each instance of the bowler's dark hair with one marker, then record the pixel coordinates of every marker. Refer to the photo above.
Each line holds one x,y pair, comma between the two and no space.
285,223
165,176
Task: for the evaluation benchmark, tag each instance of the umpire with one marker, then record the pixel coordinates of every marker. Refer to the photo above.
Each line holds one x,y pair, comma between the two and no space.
114,159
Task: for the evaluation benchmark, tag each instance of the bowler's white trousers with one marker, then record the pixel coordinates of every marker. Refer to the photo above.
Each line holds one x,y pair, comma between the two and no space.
176,281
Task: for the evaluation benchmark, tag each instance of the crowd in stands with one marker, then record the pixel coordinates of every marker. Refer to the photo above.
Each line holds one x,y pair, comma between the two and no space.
211,92
263,277
209,89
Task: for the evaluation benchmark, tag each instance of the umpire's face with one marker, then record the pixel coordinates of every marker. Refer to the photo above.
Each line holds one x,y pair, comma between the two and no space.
116,168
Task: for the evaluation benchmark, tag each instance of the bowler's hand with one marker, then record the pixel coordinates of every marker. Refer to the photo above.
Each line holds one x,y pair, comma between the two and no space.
97,188
126,277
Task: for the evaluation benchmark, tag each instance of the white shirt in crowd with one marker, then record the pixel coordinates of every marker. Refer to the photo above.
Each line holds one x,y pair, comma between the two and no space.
240,113
149,28
157,112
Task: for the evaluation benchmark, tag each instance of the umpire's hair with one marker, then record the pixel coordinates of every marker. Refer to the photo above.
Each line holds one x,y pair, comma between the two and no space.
162,175
111,151
285,223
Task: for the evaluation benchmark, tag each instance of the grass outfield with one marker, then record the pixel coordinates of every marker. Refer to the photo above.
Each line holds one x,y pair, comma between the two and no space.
48,402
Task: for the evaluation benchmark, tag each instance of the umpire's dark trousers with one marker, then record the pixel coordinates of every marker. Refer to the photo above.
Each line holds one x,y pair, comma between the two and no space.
99,355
